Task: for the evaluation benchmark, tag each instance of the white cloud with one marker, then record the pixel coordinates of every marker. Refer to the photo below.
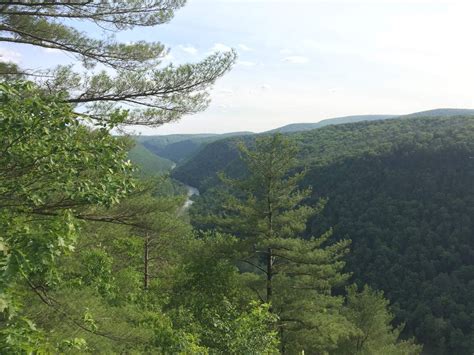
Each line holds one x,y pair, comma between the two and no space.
168,57
348,2
225,92
8,55
244,47
296,59
245,63
358,54
285,51
219,47
51,50
265,87
188,49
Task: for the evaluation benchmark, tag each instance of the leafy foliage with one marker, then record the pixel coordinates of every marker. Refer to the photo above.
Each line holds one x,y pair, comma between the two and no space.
51,167
209,297
368,310
94,261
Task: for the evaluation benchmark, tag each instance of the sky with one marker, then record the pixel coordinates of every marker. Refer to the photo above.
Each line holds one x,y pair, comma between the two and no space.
308,60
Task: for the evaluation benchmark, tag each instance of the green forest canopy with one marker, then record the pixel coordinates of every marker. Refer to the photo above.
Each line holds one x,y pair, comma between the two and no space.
402,191
181,147
95,260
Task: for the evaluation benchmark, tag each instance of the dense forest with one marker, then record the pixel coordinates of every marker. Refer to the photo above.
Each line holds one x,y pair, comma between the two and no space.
95,259
181,147
346,239
402,191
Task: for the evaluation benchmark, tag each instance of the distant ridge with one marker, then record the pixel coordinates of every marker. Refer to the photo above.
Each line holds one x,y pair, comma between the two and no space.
200,171
442,112
178,148
297,127
183,136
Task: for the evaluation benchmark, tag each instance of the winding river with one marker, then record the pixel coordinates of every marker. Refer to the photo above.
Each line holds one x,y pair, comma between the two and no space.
191,192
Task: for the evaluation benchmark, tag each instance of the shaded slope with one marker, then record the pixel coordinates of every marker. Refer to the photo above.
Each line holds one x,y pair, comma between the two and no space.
403,191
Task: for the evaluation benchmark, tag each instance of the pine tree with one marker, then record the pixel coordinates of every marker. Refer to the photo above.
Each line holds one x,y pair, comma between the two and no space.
368,311
296,276
115,76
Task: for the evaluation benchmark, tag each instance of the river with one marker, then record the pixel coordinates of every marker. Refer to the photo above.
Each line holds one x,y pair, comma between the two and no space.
191,192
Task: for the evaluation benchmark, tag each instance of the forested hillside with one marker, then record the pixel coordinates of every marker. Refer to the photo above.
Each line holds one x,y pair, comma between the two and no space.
440,112
149,164
95,260
402,190
297,127
352,239
178,147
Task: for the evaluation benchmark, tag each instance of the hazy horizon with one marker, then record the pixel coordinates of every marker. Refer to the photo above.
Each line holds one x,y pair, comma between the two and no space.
305,61
147,133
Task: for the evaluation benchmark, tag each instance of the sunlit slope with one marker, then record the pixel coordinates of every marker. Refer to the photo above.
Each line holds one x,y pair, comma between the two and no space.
149,164
179,147
298,127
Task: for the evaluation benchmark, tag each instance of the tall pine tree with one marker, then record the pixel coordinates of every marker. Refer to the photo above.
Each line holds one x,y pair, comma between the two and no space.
114,76
295,275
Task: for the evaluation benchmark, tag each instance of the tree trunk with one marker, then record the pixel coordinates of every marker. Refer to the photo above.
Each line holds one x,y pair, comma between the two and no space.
269,250
269,275
146,259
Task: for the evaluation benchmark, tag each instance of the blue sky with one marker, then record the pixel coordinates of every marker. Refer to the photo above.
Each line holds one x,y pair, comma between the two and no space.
303,61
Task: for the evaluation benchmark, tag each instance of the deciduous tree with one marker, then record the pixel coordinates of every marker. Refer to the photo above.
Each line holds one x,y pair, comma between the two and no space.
51,168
